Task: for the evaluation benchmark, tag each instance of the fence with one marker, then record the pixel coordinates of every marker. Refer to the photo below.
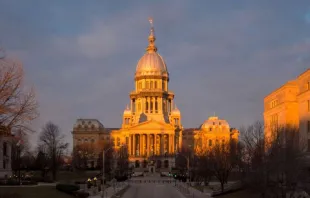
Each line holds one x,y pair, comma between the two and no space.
142,181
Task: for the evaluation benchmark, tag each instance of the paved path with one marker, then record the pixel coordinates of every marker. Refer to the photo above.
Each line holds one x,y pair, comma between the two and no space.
152,191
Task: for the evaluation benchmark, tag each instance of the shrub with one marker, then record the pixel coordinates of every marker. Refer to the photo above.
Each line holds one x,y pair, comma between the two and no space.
81,194
67,188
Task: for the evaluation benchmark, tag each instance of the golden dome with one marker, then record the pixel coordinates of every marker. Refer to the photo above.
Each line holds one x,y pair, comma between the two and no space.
127,111
214,122
175,111
151,62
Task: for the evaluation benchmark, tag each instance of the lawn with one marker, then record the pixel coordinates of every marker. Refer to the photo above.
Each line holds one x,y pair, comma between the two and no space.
239,194
32,192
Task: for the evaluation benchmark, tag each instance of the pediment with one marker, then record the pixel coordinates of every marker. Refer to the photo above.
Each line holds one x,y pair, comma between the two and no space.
152,125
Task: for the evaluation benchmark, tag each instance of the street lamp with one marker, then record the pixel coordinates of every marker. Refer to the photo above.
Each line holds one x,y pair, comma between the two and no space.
103,154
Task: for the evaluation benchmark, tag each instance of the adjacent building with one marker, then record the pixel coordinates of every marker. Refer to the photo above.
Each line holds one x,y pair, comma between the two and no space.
5,152
213,131
289,105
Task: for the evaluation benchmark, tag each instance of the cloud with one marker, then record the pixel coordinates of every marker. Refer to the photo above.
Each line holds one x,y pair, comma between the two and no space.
222,57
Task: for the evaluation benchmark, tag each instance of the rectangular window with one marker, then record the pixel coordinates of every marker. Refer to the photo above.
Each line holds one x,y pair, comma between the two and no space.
5,149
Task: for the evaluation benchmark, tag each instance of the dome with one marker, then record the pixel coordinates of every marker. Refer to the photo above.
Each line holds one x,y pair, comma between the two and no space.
127,111
151,63
175,111
214,122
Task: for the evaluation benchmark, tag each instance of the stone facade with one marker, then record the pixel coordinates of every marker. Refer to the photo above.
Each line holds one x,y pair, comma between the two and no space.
213,131
289,105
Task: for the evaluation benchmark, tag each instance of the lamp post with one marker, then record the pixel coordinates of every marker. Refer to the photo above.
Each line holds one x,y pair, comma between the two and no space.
103,154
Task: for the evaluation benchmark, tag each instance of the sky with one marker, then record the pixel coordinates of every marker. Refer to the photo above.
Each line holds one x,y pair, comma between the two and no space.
223,57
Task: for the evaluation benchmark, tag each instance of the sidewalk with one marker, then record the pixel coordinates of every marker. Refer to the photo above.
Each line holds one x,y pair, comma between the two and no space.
109,192
190,192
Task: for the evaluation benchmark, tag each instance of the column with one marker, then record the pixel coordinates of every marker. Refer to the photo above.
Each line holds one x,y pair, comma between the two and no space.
173,143
154,144
129,145
149,101
160,105
142,105
143,144
134,144
148,145
153,104
140,144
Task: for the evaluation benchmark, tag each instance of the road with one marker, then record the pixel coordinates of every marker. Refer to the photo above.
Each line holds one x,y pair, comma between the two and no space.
152,191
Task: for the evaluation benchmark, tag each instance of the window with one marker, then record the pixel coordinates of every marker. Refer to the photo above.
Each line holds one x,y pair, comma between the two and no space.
140,85
151,106
146,106
210,128
213,123
155,84
308,126
156,105
274,103
210,142
274,121
126,120
220,123
5,149
164,87
308,145
151,84
147,84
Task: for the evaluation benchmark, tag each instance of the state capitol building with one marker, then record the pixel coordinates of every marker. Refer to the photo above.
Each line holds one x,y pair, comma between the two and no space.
151,126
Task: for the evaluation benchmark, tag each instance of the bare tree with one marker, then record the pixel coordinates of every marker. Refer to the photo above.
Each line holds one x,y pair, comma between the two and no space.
17,104
273,168
221,162
52,141
83,153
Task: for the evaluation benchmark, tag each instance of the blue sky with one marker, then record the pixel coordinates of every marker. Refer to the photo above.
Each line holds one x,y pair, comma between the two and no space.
223,56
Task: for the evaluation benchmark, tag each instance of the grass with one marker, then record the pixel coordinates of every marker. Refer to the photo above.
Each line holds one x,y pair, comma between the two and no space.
239,194
32,192
70,176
